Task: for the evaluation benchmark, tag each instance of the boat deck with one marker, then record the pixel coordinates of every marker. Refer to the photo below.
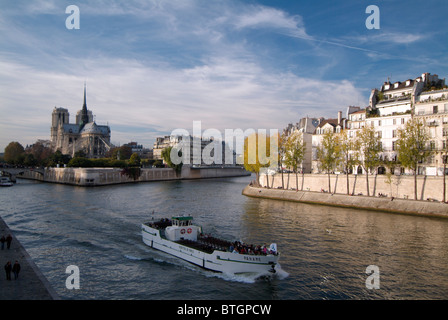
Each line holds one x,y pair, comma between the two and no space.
207,243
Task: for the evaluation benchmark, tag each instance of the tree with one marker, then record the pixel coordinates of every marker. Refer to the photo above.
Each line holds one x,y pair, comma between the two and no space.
29,160
80,162
166,155
295,152
120,153
445,159
349,157
260,151
329,154
58,158
40,152
370,147
281,154
14,153
134,160
412,146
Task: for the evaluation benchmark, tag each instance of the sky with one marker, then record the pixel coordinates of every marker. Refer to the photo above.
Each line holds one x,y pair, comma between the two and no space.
153,66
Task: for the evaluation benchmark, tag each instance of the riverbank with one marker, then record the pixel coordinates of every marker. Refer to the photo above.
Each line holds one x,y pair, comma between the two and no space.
397,186
391,205
86,177
31,283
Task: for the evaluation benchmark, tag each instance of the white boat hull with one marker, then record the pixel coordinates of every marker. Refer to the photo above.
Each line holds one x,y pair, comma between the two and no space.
220,261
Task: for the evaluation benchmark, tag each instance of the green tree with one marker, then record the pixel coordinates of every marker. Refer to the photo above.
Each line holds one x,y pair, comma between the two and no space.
349,157
80,162
158,164
412,146
329,154
58,158
29,160
369,149
295,153
14,153
134,160
80,154
120,153
166,155
281,154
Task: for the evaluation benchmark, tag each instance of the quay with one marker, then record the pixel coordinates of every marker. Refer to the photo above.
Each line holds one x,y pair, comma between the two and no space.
31,283
87,177
390,205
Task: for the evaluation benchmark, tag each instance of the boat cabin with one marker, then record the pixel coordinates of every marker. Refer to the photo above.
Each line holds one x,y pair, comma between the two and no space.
181,221
182,228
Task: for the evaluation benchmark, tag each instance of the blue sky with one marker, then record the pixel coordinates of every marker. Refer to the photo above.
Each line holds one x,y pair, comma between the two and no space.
155,66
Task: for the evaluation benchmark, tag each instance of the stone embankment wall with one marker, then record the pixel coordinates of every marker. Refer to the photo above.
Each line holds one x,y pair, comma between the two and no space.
401,206
107,176
428,187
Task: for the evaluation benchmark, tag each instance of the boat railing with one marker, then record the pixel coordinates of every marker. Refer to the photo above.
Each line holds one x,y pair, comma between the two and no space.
161,224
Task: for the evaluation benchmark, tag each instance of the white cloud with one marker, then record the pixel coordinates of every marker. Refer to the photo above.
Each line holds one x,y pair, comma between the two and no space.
260,16
147,93
150,101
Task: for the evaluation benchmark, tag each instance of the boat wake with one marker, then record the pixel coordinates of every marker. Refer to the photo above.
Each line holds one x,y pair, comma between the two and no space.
280,274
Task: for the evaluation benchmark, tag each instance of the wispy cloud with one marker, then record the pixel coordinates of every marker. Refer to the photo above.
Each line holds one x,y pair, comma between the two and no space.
222,94
152,66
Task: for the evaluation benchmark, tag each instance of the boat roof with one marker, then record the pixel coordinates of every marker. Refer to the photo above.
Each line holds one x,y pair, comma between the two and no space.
182,218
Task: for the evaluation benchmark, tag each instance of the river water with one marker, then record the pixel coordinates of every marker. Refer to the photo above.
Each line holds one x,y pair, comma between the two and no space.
324,250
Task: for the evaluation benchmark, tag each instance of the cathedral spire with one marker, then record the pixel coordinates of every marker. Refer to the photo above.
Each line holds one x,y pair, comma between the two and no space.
85,104
84,114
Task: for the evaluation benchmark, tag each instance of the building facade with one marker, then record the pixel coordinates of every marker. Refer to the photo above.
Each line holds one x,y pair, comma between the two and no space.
389,109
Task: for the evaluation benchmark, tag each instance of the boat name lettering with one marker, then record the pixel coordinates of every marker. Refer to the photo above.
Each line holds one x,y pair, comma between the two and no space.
252,258
182,248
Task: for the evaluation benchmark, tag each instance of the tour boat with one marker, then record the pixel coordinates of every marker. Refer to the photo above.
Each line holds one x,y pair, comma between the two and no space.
5,182
179,237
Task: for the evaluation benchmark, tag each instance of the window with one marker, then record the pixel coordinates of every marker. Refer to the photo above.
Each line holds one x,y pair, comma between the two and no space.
395,121
402,120
435,109
432,145
394,145
394,133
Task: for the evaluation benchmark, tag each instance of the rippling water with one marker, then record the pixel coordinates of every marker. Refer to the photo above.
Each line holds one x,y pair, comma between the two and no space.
324,250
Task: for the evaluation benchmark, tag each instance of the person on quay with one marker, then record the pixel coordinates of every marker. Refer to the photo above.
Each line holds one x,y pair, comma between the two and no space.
8,268
16,270
8,241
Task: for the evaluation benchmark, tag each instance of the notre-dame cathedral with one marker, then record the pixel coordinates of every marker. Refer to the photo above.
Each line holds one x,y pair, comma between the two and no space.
84,135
